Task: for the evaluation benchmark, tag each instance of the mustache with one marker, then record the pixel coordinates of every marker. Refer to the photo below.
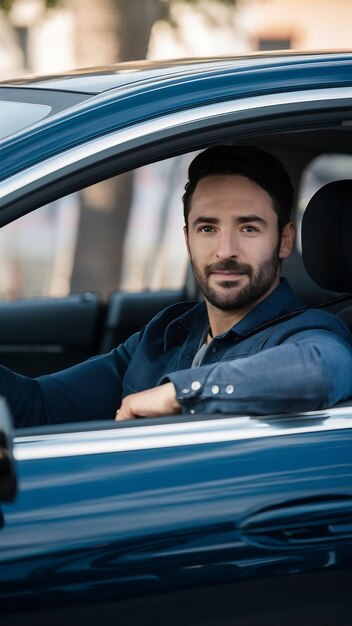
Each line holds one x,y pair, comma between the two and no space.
230,265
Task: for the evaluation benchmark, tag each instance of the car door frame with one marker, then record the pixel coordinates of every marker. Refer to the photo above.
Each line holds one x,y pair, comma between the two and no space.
152,140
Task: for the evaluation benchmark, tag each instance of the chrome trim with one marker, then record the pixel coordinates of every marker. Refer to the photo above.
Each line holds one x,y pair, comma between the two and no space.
59,162
190,433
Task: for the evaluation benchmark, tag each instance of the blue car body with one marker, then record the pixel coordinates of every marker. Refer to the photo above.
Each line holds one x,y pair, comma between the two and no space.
162,92
209,520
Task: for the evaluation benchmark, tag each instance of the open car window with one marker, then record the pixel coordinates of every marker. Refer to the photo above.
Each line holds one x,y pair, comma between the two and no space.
141,209
66,247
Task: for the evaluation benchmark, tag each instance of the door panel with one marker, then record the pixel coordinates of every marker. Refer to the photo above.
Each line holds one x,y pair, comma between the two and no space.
103,528
44,335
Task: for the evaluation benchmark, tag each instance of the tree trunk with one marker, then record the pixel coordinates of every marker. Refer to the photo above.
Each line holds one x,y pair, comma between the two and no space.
107,31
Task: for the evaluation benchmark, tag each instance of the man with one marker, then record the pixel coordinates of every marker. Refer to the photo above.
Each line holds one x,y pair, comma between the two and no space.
251,347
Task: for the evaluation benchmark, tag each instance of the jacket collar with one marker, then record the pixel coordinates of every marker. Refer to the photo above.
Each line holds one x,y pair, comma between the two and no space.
194,321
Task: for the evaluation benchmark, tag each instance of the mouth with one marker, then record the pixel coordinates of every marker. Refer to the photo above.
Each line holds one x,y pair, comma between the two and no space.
227,274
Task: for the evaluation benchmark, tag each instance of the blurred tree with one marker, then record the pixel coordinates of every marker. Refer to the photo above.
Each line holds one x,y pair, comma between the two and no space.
5,5
109,31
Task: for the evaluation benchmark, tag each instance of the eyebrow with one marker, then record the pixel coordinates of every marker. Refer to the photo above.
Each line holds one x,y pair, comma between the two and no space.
202,218
243,219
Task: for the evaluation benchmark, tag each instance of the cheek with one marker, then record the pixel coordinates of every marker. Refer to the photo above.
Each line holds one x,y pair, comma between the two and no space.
256,248
200,249
261,249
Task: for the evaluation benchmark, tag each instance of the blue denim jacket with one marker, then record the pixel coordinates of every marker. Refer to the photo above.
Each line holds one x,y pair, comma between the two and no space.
298,364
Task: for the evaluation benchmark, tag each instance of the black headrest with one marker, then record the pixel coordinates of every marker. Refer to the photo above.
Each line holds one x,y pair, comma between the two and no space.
327,236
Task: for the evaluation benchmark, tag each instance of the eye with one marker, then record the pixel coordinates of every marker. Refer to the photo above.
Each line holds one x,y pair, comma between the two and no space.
250,229
206,229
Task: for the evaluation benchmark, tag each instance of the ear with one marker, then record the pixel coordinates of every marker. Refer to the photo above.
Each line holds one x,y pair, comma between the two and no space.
186,240
287,240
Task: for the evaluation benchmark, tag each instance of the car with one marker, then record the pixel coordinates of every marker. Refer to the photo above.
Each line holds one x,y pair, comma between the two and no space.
193,519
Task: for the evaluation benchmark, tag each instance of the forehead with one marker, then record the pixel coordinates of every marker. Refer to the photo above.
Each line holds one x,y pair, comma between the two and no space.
230,192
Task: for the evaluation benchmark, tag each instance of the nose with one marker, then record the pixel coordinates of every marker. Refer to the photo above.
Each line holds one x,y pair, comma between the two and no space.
226,245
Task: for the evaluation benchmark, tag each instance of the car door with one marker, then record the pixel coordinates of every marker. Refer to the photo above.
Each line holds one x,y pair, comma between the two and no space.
182,521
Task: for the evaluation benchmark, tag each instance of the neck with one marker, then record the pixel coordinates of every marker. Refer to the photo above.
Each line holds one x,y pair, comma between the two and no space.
221,321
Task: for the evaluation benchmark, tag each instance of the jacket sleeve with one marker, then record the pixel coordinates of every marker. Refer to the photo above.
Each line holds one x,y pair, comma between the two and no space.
88,391
311,370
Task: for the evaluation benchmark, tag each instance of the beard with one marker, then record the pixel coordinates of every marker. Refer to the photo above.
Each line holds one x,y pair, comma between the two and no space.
227,296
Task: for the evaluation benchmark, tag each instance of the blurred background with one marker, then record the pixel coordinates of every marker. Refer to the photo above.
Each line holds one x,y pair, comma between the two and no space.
96,240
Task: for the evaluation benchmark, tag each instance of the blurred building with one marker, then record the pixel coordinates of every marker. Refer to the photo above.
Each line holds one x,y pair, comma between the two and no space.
36,40
299,24
254,25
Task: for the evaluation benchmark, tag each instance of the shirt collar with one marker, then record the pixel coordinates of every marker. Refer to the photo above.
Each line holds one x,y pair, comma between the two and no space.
192,322
279,302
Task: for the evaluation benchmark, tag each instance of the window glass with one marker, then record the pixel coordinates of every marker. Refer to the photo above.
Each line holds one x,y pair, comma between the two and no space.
36,251
16,116
125,232
154,254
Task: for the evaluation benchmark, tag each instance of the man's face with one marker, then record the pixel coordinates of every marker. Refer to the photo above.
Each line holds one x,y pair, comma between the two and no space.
233,241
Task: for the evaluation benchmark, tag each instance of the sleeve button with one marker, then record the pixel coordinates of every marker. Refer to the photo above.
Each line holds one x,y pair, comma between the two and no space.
195,385
230,389
215,389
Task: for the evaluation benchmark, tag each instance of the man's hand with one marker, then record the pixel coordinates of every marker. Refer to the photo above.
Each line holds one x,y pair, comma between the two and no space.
152,402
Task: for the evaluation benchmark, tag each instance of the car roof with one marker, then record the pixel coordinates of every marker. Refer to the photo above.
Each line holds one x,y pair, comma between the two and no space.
132,93
96,80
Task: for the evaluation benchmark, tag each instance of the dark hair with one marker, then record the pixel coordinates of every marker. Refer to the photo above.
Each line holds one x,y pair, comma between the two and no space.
261,167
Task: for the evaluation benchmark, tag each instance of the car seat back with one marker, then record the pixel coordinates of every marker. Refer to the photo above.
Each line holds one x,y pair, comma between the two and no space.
327,240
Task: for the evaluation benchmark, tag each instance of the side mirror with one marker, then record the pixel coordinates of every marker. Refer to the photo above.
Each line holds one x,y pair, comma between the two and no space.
8,483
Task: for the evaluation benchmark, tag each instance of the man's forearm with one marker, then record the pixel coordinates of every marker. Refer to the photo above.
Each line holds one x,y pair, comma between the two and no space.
307,374
88,391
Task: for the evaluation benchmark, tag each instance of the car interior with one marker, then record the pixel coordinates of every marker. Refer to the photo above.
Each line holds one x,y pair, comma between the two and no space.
42,335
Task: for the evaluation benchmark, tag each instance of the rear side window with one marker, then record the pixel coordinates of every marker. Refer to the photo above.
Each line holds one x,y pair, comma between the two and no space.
16,116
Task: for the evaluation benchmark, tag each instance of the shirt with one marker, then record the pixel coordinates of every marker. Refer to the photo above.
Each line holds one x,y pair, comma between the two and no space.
298,364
